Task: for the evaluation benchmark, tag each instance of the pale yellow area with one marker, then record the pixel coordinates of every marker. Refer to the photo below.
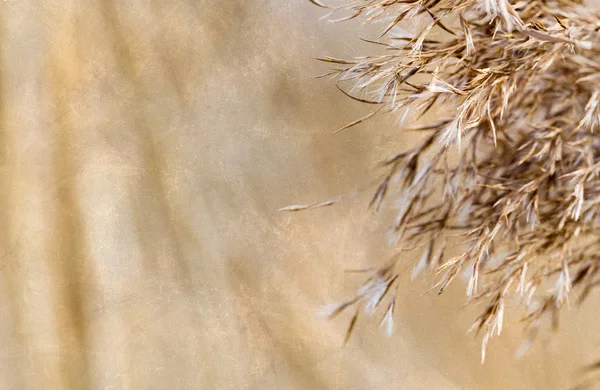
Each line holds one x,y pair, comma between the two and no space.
145,147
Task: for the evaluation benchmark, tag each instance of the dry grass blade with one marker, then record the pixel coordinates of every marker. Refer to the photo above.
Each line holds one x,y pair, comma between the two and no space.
357,122
351,327
318,3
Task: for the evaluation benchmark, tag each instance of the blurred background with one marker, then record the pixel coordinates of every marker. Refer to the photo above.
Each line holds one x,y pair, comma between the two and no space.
145,149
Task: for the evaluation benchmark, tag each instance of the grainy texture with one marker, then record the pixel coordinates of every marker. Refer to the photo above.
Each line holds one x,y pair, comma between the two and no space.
146,148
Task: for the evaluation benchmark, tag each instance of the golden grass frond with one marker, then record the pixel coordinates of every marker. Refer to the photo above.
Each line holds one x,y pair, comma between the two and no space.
523,79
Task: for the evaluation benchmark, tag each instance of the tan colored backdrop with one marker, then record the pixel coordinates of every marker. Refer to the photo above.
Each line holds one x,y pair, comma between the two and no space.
145,147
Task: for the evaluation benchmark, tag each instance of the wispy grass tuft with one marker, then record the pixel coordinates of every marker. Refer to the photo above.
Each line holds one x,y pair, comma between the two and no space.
514,170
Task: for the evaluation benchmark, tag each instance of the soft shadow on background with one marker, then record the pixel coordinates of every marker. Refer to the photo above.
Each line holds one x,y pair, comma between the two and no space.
146,147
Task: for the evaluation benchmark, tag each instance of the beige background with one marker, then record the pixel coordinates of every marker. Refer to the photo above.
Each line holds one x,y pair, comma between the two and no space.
145,149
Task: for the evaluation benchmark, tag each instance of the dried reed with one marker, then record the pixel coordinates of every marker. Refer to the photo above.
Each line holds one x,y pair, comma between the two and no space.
514,171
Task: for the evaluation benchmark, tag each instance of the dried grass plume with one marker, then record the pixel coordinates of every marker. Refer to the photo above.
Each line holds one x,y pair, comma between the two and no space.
512,176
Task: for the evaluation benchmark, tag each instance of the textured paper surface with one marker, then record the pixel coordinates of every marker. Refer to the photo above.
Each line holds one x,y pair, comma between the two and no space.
146,147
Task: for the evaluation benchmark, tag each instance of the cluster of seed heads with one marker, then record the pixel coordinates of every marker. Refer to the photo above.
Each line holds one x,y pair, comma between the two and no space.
512,176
